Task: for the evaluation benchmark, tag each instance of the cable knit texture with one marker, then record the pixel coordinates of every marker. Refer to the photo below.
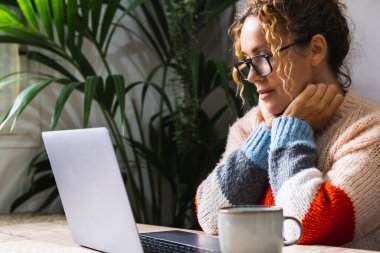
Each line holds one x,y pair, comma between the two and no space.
329,180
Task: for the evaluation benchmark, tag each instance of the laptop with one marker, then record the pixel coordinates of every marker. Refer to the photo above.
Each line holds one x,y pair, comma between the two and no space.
95,200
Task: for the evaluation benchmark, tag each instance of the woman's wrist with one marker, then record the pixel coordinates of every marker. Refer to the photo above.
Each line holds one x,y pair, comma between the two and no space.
287,130
256,146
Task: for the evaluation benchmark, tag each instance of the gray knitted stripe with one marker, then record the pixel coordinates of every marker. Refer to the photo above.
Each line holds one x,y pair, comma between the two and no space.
285,162
241,180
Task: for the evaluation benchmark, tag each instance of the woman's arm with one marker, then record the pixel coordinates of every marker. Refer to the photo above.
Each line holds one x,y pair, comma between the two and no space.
241,179
336,207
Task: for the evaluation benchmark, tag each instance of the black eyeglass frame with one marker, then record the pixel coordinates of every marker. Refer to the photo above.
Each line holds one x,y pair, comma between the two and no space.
249,63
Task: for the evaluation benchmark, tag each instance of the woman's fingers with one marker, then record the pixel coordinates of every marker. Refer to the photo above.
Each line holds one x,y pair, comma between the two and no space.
336,102
316,104
320,92
330,94
308,92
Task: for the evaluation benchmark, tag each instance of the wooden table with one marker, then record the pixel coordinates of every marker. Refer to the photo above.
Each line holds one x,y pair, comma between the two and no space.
50,234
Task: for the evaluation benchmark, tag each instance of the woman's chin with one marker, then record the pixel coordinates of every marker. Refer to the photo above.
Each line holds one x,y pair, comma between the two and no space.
277,111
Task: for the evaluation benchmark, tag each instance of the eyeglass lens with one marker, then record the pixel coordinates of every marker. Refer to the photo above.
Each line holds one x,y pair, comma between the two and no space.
260,64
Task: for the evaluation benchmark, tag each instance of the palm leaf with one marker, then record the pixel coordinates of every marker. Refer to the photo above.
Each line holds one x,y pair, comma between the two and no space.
155,29
150,38
107,20
48,62
119,87
133,5
83,24
28,11
96,8
58,11
6,82
44,12
61,101
36,162
89,92
10,2
126,90
83,64
9,18
152,159
161,17
216,10
162,93
41,184
72,20
27,37
109,94
23,100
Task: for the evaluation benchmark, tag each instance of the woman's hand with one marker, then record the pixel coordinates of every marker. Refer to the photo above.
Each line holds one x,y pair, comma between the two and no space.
316,104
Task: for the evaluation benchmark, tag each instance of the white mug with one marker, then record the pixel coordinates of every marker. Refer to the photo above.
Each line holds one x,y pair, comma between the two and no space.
253,229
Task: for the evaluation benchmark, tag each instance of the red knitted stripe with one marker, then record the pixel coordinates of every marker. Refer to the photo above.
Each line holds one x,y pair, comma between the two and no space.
330,219
196,205
267,199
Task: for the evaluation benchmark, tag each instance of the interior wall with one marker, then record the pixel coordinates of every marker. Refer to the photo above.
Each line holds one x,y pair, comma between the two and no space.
365,54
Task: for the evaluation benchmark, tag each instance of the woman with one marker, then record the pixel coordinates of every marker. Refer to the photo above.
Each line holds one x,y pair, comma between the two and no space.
309,146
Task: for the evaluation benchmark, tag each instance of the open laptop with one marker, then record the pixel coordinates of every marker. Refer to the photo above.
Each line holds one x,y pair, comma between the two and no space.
95,200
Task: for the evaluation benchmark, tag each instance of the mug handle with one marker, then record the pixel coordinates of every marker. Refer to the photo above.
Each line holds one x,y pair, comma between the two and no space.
301,231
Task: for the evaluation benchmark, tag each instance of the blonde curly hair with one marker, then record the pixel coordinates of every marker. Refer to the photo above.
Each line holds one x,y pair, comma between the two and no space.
287,21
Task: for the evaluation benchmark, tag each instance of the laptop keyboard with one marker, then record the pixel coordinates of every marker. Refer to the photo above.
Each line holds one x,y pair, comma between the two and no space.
155,245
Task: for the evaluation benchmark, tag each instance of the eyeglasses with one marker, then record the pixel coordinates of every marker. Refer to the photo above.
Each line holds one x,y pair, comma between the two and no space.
260,63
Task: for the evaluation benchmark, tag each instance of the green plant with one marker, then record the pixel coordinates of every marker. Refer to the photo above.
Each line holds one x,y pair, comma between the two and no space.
181,146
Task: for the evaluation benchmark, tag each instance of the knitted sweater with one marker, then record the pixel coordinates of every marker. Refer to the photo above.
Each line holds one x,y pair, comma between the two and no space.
329,180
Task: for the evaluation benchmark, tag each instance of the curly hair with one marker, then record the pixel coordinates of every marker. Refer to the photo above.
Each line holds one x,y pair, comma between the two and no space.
287,21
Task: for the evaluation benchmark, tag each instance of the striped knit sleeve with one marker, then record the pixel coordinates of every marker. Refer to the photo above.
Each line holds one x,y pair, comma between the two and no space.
325,210
242,179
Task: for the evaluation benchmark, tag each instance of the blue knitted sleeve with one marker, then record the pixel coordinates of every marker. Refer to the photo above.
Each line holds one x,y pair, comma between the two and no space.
243,179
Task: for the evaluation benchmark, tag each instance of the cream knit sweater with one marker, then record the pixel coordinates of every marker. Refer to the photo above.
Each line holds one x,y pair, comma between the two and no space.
329,180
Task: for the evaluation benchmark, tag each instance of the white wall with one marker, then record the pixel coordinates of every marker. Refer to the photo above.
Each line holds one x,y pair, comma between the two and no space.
366,48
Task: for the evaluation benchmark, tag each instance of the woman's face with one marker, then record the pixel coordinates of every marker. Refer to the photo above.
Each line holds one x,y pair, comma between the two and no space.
272,94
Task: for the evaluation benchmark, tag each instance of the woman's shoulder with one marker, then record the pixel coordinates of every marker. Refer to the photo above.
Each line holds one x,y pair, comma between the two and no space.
354,102
357,109
359,121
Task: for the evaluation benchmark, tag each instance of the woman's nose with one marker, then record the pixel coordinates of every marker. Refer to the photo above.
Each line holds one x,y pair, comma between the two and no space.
253,76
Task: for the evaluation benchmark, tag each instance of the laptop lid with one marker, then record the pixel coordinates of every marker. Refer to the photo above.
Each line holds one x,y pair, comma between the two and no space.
92,191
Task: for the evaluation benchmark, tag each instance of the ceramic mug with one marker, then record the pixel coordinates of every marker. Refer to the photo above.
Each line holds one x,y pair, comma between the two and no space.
253,229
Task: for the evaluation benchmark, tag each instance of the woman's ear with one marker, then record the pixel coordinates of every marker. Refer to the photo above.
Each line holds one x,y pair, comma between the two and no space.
318,49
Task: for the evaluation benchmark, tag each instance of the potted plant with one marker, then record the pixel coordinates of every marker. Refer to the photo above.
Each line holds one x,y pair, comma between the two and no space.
179,146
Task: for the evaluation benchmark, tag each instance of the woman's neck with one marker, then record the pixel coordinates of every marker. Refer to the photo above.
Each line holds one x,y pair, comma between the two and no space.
325,75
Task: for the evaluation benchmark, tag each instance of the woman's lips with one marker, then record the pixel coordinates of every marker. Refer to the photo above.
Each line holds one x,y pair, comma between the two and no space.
264,93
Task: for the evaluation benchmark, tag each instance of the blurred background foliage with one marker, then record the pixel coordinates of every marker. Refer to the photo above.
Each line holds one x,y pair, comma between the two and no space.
164,160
